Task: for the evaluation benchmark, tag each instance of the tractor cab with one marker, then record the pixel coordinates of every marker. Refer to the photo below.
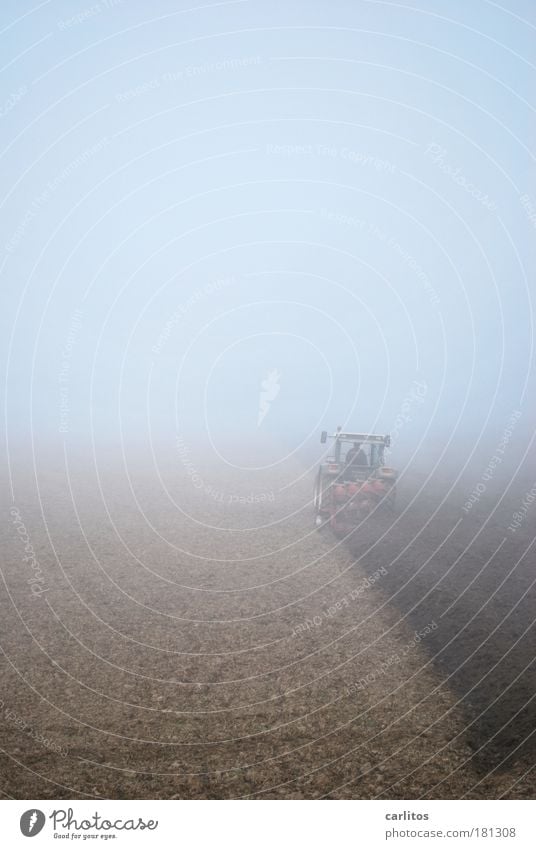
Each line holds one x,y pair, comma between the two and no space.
353,482
356,454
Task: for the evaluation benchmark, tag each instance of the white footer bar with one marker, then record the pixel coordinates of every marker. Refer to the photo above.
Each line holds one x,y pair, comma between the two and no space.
267,824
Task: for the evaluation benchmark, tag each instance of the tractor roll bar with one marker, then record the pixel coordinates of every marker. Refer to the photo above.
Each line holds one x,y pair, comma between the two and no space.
372,438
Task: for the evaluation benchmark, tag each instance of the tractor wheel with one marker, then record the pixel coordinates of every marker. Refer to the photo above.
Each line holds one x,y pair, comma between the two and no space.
336,528
317,502
317,493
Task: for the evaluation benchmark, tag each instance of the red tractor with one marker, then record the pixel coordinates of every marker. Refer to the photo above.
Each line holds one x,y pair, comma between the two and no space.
354,483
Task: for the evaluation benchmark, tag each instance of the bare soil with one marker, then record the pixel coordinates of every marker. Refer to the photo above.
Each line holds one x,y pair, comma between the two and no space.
195,644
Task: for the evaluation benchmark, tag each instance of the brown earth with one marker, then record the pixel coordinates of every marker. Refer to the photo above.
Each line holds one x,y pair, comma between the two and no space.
192,644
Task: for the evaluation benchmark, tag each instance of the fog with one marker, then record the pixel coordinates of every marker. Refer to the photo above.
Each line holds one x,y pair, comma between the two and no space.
195,200
230,226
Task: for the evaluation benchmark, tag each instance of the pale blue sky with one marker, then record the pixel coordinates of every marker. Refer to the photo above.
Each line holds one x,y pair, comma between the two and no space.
351,173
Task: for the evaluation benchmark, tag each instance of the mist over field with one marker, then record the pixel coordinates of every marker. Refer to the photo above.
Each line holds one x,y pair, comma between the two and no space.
227,227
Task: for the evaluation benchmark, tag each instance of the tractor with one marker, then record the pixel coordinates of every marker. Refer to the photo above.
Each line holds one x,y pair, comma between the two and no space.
353,484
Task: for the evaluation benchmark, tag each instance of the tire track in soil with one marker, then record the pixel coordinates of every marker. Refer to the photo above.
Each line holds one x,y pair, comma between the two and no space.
178,667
